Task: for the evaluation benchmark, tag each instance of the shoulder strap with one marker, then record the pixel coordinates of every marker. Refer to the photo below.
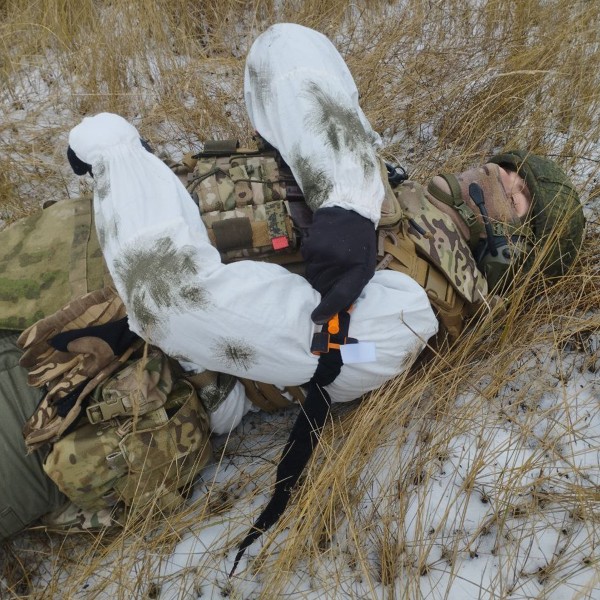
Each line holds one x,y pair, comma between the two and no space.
397,252
454,200
305,433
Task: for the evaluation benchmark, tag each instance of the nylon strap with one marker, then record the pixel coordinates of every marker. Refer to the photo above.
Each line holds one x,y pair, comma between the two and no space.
455,201
302,439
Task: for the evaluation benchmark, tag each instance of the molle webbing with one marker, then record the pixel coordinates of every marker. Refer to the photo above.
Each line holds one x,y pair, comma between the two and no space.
139,459
398,253
243,200
253,207
438,241
238,233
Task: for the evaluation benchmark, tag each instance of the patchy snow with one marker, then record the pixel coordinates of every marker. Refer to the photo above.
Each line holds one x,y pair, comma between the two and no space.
489,518
503,460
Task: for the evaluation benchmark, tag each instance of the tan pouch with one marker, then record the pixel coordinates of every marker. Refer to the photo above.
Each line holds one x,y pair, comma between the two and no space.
96,466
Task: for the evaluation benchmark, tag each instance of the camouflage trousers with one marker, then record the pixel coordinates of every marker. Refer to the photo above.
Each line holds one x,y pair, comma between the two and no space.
26,493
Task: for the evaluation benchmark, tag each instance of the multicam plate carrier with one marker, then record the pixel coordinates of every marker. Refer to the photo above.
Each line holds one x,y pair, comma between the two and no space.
254,209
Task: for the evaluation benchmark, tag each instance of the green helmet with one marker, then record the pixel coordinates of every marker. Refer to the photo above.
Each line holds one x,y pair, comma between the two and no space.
556,213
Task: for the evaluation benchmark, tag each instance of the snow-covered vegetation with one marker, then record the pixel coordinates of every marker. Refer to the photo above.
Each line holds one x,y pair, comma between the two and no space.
475,476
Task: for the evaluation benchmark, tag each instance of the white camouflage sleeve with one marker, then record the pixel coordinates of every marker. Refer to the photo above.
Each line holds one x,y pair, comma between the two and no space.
301,98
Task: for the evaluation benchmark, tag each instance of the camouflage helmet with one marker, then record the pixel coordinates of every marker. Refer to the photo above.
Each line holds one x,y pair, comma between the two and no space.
557,216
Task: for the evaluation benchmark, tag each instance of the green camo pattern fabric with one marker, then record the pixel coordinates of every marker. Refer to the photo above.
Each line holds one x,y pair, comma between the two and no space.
442,243
46,260
557,216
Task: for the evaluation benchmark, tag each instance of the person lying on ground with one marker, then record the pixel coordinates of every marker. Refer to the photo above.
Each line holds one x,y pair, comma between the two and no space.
257,321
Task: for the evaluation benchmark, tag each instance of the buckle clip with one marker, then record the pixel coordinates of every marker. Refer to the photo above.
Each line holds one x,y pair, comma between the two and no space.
320,343
333,334
106,410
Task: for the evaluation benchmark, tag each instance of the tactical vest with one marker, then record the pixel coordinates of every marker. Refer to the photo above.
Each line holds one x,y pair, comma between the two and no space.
253,208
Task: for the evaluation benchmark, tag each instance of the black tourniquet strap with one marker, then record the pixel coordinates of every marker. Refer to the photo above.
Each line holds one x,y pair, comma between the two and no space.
302,440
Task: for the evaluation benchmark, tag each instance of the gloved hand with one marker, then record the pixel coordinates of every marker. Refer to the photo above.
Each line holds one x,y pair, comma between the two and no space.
79,167
94,359
46,362
340,251
69,353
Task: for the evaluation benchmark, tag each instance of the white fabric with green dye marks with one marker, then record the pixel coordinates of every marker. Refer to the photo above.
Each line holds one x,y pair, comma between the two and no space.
248,319
302,99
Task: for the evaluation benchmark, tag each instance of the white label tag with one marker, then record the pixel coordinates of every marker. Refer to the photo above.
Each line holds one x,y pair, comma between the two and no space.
363,352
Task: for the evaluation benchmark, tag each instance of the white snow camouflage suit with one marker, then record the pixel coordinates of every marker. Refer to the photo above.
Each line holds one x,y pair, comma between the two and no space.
252,319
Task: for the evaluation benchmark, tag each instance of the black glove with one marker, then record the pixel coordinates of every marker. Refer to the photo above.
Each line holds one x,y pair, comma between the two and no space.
79,167
340,251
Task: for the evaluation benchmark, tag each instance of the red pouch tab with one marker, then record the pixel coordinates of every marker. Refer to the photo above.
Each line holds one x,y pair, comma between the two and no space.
279,243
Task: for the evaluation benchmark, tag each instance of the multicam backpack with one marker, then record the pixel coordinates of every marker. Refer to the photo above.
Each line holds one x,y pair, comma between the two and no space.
53,280
145,437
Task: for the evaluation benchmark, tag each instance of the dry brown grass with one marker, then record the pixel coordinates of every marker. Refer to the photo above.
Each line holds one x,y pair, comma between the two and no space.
447,83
